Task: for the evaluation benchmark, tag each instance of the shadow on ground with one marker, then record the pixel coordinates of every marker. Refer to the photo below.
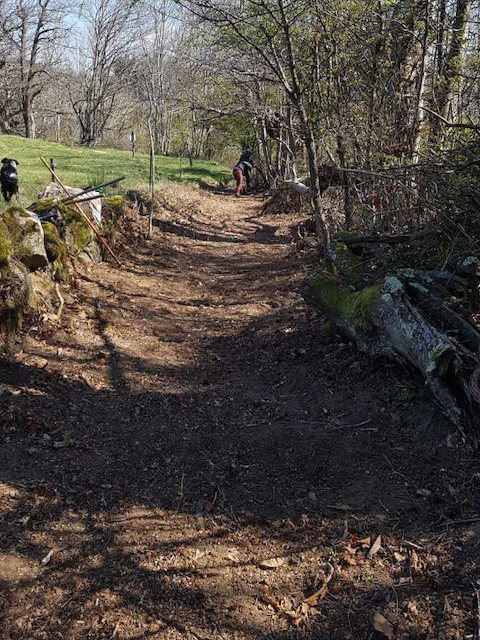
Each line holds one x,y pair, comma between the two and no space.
276,440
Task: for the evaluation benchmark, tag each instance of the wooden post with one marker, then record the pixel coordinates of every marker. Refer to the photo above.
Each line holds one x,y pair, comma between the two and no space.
133,139
80,210
52,168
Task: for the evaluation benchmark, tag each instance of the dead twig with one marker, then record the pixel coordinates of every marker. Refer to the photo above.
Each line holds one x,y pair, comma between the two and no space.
180,494
298,615
60,300
476,601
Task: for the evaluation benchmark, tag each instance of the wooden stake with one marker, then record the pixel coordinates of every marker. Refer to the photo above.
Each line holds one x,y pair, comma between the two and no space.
82,199
78,208
94,188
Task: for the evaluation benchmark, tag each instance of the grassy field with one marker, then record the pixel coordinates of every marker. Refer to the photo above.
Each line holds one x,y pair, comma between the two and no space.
79,167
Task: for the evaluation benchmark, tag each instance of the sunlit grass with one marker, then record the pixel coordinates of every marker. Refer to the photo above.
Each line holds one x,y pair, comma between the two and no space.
80,167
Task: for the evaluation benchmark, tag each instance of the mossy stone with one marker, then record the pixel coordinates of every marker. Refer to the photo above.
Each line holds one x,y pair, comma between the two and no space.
55,247
5,249
79,227
46,205
113,204
22,235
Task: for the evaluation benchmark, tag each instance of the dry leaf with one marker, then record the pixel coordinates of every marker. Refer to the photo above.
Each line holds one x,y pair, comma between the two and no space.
414,560
340,507
425,493
232,556
398,556
307,607
362,542
382,625
288,613
412,610
412,545
376,546
453,492
272,563
198,554
316,597
348,556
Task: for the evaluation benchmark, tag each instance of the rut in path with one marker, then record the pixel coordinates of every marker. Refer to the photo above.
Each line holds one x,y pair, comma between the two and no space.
191,421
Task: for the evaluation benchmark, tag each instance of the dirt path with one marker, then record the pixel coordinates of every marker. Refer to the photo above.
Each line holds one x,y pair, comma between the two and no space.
188,421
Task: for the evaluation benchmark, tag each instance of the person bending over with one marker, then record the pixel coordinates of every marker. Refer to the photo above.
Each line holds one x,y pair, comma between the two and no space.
243,168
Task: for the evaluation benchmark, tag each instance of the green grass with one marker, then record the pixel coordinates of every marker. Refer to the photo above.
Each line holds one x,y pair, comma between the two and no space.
80,167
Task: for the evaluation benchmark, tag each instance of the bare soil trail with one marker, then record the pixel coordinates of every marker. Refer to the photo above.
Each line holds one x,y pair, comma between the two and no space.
188,422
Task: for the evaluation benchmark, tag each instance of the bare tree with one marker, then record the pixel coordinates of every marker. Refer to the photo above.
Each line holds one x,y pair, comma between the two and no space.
156,33
101,62
29,29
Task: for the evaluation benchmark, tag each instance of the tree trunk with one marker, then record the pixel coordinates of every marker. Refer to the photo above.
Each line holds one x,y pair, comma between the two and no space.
266,152
347,203
27,115
454,59
323,233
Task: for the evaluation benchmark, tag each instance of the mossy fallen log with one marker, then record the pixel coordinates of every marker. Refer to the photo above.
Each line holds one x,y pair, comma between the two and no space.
410,317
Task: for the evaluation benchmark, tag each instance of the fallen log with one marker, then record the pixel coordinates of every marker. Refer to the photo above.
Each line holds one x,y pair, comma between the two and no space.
295,185
407,317
398,238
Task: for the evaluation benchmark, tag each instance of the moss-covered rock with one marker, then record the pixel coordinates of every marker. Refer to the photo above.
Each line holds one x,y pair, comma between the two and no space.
78,233
56,249
21,236
113,205
46,205
112,211
5,249
16,295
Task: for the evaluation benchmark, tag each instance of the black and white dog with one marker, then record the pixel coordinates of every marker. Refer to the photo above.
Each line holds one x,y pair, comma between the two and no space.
9,178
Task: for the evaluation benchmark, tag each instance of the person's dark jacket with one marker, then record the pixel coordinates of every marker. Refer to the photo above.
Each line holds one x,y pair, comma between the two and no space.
246,157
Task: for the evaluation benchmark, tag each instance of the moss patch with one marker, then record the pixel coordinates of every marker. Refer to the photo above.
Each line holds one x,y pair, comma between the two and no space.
355,306
10,223
112,211
113,204
52,240
349,265
440,360
82,234
55,248
5,249
18,211
46,205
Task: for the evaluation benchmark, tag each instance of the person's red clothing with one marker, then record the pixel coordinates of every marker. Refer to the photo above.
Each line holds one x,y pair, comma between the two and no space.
238,175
